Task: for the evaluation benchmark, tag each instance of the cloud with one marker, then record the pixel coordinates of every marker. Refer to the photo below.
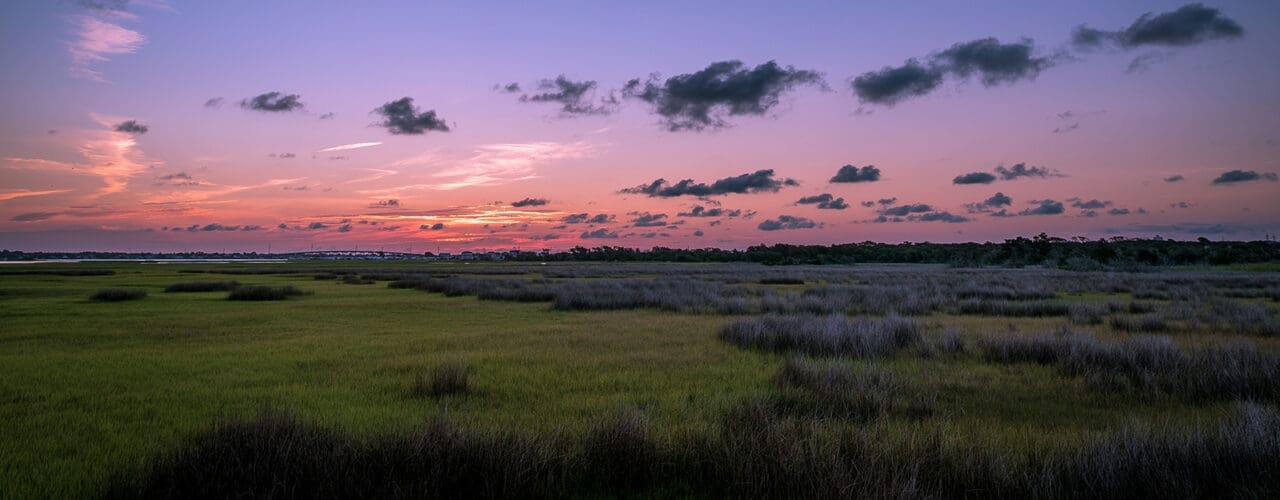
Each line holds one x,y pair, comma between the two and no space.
698,233
212,227
530,202
701,211
1044,207
1144,61
760,181
23,193
1020,170
974,178
214,102
574,98
1067,128
177,179
390,203
1118,211
1174,178
910,208
703,99
995,201
316,225
348,147
510,88
1093,204
493,164
97,41
272,102
1235,176
33,216
867,204
647,219
850,173
345,228
890,85
131,127
993,62
1190,24
401,117
601,233
947,217
327,116
432,227
1180,204
585,218
787,222
824,201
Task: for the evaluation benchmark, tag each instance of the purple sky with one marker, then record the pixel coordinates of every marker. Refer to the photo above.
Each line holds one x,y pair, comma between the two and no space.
166,125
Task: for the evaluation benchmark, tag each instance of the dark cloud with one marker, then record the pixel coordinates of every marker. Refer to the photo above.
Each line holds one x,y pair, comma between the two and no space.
1066,128
574,98
787,222
1093,204
703,99
1045,207
1020,170
214,102
698,233
867,204
819,198
345,228
701,211
947,217
761,181
315,225
273,102
401,117
993,62
974,178
1174,178
1144,61
287,156
530,202
131,127
995,201
33,216
887,201
1190,24
177,179
1235,176
327,116
212,227
1118,211
432,227
1179,204
824,201
601,233
647,219
889,85
510,88
910,208
850,173
391,203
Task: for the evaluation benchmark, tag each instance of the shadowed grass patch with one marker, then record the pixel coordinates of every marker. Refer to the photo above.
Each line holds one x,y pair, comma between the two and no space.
118,294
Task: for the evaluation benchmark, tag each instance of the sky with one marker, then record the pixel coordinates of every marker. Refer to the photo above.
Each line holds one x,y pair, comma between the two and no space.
168,125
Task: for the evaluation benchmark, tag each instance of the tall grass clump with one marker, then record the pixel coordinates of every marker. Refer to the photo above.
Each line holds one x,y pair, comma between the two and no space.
118,294
202,286
1038,308
445,379
830,335
837,389
1147,364
264,292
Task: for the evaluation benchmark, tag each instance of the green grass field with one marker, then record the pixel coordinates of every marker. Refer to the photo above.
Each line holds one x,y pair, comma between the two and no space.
94,390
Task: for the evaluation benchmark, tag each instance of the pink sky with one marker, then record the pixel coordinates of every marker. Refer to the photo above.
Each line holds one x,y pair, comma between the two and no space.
1109,124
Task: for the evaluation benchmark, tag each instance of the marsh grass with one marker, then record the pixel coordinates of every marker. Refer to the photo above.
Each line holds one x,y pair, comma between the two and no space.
202,286
445,379
118,294
264,292
830,335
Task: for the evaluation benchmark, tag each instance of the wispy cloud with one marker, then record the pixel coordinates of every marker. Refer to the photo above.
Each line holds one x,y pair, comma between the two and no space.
348,147
493,164
23,193
97,40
